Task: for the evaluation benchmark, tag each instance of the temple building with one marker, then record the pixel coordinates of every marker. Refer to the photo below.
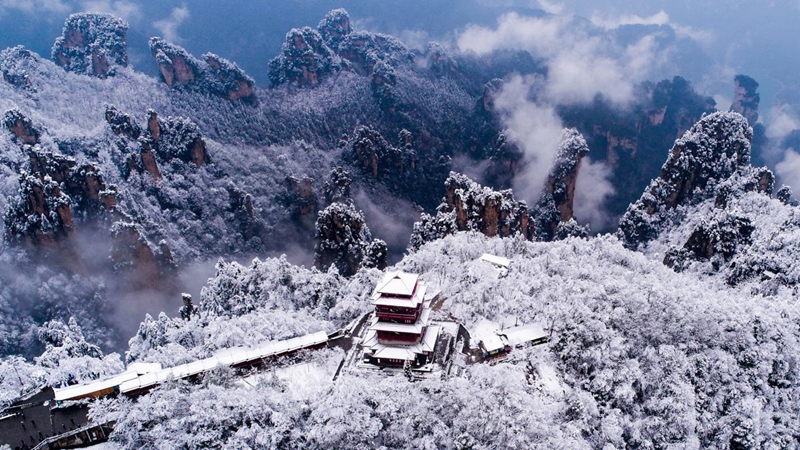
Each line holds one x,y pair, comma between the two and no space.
400,332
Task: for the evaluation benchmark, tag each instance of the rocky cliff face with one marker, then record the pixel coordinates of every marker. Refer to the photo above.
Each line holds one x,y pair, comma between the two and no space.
470,206
122,124
242,206
632,141
301,201
439,60
309,54
343,240
176,138
92,44
378,159
60,197
20,127
214,75
159,141
723,236
304,60
40,218
334,27
15,65
709,153
337,188
555,207
746,98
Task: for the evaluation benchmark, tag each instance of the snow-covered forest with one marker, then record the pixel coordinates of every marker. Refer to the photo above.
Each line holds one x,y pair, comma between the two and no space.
673,324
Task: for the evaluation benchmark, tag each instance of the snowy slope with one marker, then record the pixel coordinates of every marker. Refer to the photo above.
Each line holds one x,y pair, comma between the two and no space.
640,356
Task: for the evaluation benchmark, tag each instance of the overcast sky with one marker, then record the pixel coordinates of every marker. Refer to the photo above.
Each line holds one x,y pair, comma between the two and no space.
752,37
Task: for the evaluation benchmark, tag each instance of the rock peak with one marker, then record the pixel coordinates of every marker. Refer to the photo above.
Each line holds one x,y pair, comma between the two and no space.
746,98
92,44
555,206
334,26
710,152
214,75
469,206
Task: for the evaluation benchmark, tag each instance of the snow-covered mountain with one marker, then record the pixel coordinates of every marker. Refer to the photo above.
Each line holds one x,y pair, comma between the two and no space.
678,329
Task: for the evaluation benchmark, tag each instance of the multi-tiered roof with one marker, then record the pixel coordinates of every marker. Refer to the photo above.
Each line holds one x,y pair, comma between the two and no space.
400,331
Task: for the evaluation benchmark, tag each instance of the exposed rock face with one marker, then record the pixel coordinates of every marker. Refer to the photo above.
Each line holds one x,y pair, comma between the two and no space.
337,188
121,123
176,138
16,64
41,218
82,182
503,155
305,58
215,75
375,156
746,98
555,206
308,55
362,50
470,206
92,44
301,200
21,127
160,141
334,27
721,236
241,204
631,141
716,148
343,240
439,60
786,196
60,196
231,79
131,253
490,92
148,159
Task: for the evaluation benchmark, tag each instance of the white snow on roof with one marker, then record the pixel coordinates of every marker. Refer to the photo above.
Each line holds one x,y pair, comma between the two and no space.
406,352
492,342
496,260
486,333
419,297
225,357
523,334
143,368
397,283
394,352
80,391
429,340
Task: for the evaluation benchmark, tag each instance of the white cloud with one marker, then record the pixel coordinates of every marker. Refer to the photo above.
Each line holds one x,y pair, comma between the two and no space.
788,170
169,27
35,6
580,62
659,18
610,23
539,35
723,102
592,188
551,7
536,128
415,39
121,8
783,120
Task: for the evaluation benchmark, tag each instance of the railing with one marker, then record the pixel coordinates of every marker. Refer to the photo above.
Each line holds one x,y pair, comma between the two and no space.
46,443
